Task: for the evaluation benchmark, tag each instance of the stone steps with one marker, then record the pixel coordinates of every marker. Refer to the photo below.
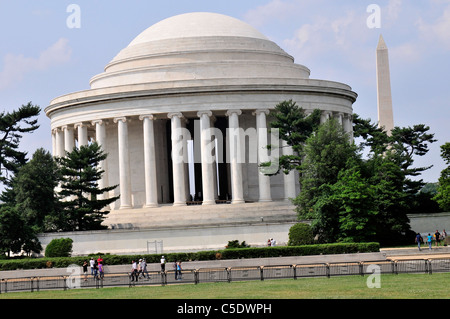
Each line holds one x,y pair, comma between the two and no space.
198,215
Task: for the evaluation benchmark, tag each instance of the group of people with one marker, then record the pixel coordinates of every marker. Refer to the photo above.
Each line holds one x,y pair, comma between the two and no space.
139,270
437,237
271,242
97,268
176,267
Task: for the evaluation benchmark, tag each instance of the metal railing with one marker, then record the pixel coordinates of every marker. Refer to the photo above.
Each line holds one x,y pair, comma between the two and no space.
203,275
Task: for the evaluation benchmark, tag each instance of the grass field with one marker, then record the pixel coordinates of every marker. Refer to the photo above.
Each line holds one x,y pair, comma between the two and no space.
401,286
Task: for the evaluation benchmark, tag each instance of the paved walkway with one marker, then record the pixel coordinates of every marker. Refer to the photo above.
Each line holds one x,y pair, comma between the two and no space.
384,254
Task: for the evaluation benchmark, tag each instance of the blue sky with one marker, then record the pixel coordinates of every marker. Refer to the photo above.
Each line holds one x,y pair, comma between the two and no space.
42,58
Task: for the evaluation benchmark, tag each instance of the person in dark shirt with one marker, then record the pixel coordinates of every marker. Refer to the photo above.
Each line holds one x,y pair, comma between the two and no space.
437,235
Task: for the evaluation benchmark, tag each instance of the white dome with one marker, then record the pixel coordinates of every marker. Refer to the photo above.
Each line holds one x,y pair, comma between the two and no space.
198,49
199,24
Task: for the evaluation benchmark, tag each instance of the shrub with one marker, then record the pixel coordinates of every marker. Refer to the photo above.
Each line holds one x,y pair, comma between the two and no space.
300,234
59,247
235,244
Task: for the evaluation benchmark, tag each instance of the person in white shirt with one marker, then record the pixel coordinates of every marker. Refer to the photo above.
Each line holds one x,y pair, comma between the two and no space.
92,264
163,264
134,271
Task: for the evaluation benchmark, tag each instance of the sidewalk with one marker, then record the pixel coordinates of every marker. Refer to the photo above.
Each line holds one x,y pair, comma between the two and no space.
384,254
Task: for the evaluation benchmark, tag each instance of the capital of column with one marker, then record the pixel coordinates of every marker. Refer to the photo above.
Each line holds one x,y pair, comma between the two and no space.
147,116
65,127
120,119
79,124
260,111
99,122
56,130
175,114
231,112
201,113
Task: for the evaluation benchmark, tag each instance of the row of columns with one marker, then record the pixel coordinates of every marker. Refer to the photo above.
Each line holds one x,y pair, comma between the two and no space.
65,142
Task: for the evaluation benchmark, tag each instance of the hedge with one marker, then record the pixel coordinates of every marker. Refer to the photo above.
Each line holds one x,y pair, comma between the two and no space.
277,251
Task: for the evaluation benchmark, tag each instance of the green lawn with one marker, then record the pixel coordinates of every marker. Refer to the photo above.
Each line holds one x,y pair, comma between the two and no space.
402,286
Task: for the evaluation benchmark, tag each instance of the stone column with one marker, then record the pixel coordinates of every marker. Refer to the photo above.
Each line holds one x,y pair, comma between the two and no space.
151,188
324,116
82,134
348,125
235,156
261,131
100,138
59,134
179,191
340,118
54,142
207,145
69,139
124,163
289,179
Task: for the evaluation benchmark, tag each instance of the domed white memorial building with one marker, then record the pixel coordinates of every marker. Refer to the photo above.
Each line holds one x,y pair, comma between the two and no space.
182,113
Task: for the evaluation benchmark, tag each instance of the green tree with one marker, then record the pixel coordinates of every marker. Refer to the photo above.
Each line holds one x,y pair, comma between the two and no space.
34,189
15,235
294,126
443,192
80,173
325,154
12,126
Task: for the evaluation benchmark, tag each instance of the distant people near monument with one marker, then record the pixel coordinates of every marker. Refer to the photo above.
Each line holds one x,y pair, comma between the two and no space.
419,240
437,238
429,240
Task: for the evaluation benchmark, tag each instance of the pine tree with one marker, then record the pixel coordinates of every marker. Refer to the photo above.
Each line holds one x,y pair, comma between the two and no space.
34,189
12,125
81,208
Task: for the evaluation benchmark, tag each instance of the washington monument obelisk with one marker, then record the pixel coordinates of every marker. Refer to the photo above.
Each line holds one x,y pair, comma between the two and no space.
385,114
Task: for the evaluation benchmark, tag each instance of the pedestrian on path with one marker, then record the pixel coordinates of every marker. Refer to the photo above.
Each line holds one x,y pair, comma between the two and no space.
437,234
178,271
134,271
163,264
92,264
430,240
85,270
418,240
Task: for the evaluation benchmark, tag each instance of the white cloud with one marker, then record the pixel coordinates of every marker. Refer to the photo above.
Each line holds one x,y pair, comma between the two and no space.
437,31
393,9
275,9
15,67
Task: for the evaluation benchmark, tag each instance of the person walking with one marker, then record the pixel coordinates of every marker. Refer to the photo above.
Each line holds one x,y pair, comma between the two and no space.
430,240
92,264
418,240
100,270
437,234
163,264
134,271
178,270
85,270
95,270
144,269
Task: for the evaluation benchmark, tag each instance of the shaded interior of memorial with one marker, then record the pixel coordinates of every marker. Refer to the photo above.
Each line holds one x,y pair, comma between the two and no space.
222,181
